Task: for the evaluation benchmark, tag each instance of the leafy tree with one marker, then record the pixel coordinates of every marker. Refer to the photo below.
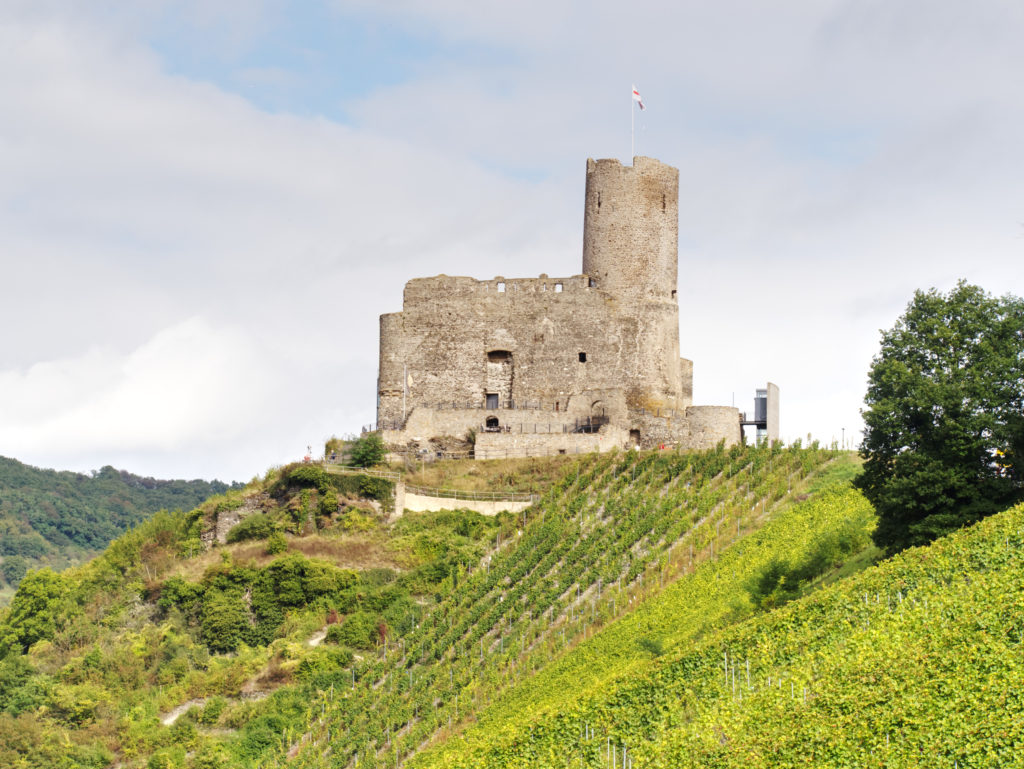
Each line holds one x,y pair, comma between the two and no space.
944,416
35,611
368,450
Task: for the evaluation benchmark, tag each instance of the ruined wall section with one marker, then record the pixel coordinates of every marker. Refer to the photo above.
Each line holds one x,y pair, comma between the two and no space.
685,382
562,337
707,425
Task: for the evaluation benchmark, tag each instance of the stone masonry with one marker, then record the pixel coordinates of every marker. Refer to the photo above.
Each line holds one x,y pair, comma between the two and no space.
552,365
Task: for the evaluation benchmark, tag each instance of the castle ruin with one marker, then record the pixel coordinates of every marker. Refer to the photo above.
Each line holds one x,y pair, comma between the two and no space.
533,366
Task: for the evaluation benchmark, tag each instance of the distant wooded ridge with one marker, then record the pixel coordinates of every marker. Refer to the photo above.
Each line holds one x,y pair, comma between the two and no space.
56,518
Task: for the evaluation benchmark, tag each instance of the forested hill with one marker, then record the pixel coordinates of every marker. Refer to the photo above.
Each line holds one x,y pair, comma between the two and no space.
50,517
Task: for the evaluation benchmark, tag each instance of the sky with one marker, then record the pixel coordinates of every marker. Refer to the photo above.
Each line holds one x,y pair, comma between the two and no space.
205,206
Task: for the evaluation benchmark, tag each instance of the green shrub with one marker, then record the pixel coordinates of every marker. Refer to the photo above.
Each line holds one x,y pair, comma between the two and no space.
376,488
36,610
276,543
211,712
358,631
357,520
309,476
329,504
256,526
368,450
225,620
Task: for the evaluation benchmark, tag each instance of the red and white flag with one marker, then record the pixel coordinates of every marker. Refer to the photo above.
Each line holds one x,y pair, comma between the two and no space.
637,99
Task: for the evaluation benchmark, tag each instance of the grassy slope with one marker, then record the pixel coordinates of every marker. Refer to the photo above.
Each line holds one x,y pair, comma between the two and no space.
914,662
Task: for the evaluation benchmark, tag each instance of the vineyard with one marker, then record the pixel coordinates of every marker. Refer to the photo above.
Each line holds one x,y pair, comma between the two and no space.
916,662
612,532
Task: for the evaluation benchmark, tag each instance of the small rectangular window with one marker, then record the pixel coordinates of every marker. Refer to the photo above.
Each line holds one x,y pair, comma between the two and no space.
583,357
501,285
558,288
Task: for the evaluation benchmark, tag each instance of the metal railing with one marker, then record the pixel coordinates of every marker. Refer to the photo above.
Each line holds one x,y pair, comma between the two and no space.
587,425
388,475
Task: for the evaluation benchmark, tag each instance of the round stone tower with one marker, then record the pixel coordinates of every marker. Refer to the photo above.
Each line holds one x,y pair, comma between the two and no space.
630,252
631,228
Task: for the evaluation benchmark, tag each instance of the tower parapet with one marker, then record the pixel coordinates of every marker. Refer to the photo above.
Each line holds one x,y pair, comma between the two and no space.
631,228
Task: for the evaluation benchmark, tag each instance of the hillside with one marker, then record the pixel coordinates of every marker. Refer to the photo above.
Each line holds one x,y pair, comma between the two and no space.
52,518
914,662
392,638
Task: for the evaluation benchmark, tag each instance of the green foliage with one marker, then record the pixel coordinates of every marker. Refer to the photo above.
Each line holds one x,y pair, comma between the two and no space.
376,488
255,526
368,450
329,503
307,475
276,543
36,611
14,568
225,622
944,437
358,631
212,710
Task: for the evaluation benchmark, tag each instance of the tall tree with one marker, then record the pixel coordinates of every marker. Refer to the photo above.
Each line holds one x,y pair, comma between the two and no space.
944,416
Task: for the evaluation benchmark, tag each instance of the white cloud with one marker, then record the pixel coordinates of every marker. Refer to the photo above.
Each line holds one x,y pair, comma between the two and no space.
190,384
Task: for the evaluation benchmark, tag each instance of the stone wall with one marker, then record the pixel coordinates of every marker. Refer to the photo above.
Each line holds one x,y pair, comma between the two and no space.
707,425
418,503
507,445
554,344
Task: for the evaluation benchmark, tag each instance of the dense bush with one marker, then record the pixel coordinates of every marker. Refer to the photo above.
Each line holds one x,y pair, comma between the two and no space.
255,526
368,450
276,543
358,631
